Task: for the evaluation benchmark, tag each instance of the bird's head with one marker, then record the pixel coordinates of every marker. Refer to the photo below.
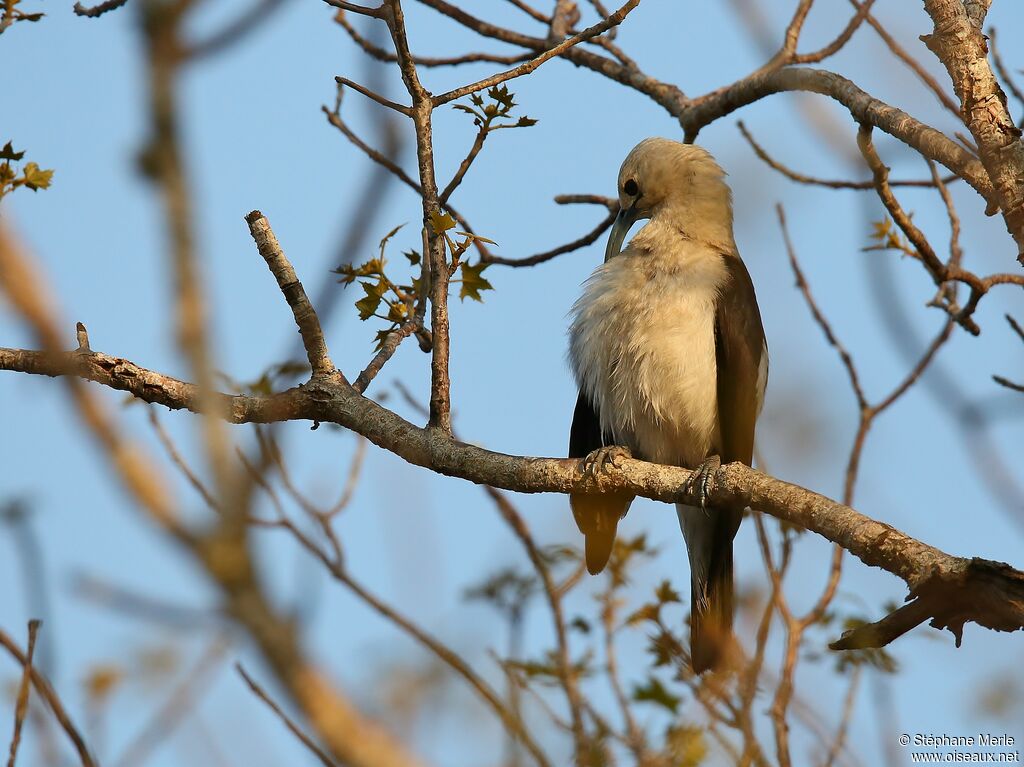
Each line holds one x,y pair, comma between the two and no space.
665,178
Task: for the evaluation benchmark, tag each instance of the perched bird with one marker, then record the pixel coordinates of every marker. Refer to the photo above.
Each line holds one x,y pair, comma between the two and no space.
669,354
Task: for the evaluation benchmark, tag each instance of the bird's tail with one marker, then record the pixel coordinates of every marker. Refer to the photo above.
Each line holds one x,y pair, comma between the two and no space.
711,612
709,534
597,517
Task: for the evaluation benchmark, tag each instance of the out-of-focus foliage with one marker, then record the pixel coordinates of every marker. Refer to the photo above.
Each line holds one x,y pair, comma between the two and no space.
29,175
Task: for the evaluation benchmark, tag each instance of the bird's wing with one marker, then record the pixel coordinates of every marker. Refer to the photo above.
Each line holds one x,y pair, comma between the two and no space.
585,435
742,359
597,516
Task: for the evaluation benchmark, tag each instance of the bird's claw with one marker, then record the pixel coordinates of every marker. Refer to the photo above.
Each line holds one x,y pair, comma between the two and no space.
702,479
599,459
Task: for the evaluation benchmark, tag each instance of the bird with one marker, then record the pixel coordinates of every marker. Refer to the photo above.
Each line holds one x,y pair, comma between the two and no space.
669,353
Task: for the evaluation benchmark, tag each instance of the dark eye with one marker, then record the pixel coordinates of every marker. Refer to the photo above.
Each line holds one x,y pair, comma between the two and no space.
630,188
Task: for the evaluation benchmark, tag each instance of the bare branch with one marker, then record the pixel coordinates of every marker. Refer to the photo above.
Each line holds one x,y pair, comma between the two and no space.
841,39
21,701
98,10
401,109
304,313
819,318
915,66
999,594
801,178
524,69
958,43
233,32
425,61
387,350
307,741
539,258
376,13
45,689
1004,73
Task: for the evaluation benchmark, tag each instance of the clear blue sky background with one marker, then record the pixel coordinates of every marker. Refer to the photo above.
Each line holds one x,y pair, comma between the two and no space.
73,97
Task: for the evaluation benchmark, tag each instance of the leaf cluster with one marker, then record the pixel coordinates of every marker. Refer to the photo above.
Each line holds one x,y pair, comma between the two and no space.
30,176
472,281
11,13
887,236
384,297
487,114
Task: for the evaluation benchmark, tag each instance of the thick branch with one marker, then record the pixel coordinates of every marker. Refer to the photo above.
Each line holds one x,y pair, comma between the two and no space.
957,41
995,600
863,107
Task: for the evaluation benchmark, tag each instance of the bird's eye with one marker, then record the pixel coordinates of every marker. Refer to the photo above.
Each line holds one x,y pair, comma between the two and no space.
630,188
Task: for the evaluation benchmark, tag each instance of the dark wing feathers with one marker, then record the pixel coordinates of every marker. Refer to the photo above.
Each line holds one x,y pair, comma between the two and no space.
597,516
739,344
585,435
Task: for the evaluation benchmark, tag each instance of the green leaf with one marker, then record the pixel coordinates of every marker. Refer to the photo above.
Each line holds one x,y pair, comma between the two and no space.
413,256
36,178
654,692
379,339
8,153
473,282
397,312
526,122
441,222
367,305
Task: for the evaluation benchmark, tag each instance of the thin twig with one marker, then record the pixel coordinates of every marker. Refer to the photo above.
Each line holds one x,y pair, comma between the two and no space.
828,183
425,61
400,108
387,350
45,689
178,703
819,318
297,731
524,69
21,702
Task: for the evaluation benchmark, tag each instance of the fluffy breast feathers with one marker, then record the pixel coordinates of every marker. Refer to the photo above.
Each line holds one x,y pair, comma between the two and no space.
642,346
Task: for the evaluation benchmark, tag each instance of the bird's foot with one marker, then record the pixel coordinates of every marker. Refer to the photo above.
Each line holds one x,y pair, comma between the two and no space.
702,478
598,460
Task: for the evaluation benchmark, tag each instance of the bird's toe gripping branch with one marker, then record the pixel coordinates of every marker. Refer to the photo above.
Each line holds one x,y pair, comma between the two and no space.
701,481
600,459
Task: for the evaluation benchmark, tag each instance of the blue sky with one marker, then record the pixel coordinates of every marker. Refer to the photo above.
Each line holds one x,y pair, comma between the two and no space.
73,97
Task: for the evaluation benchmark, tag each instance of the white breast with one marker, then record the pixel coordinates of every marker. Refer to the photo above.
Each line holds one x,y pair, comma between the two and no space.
642,346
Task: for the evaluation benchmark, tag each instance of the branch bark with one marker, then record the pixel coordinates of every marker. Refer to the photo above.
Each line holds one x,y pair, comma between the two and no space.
954,589
957,41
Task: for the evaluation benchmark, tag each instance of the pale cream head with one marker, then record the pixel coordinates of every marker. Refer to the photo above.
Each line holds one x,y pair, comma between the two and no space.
679,184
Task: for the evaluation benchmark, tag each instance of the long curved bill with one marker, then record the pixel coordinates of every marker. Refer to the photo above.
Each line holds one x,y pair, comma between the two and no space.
623,222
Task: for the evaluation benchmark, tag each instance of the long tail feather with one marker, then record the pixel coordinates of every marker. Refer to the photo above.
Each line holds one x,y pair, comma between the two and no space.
711,613
597,517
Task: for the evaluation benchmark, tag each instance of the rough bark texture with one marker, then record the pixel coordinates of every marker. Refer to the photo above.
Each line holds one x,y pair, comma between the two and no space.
959,44
950,590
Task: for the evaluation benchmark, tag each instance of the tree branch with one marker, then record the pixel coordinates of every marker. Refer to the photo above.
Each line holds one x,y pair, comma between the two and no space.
524,69
305,316
957,41
957,589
